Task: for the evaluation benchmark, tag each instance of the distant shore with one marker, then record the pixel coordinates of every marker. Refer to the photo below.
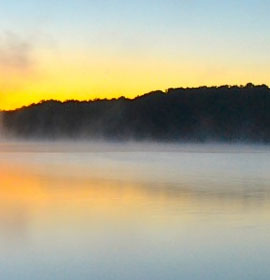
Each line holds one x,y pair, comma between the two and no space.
216,114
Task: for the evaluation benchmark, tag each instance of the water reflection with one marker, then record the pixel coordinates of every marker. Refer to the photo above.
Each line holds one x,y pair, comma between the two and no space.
125,215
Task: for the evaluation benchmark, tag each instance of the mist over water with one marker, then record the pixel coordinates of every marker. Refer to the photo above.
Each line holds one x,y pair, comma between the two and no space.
80,210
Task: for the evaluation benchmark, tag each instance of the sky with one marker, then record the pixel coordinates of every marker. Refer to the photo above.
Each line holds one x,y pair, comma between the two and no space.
87,49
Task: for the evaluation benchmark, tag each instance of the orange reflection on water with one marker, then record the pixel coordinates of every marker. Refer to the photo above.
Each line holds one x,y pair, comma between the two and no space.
66,212
61,195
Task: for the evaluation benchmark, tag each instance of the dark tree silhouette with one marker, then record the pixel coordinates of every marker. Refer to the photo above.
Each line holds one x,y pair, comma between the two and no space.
226,113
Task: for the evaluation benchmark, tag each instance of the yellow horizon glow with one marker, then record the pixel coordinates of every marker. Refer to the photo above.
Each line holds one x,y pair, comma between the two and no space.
90,76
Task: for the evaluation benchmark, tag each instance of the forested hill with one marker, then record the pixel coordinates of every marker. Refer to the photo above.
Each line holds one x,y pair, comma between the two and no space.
182,114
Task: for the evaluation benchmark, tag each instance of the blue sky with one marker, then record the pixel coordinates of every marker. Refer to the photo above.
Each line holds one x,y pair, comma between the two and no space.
186,24
207,42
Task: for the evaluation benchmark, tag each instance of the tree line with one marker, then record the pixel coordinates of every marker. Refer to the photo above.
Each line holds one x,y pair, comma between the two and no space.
225,113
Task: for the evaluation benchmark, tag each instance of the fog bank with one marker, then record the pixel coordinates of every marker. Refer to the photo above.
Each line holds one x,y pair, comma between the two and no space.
215,114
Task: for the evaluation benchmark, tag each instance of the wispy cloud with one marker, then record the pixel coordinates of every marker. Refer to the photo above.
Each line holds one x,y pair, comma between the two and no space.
16,53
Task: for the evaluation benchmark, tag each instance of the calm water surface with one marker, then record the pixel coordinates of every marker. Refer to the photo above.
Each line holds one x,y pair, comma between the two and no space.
134,211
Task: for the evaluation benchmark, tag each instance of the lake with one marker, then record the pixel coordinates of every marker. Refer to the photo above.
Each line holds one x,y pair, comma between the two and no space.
134,211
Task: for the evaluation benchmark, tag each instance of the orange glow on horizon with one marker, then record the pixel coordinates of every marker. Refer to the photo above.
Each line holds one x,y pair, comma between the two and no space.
87,77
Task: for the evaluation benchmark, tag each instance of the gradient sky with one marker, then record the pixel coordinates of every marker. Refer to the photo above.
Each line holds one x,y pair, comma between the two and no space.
85,49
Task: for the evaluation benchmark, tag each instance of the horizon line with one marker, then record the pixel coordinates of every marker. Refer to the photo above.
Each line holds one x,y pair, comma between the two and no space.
41,101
